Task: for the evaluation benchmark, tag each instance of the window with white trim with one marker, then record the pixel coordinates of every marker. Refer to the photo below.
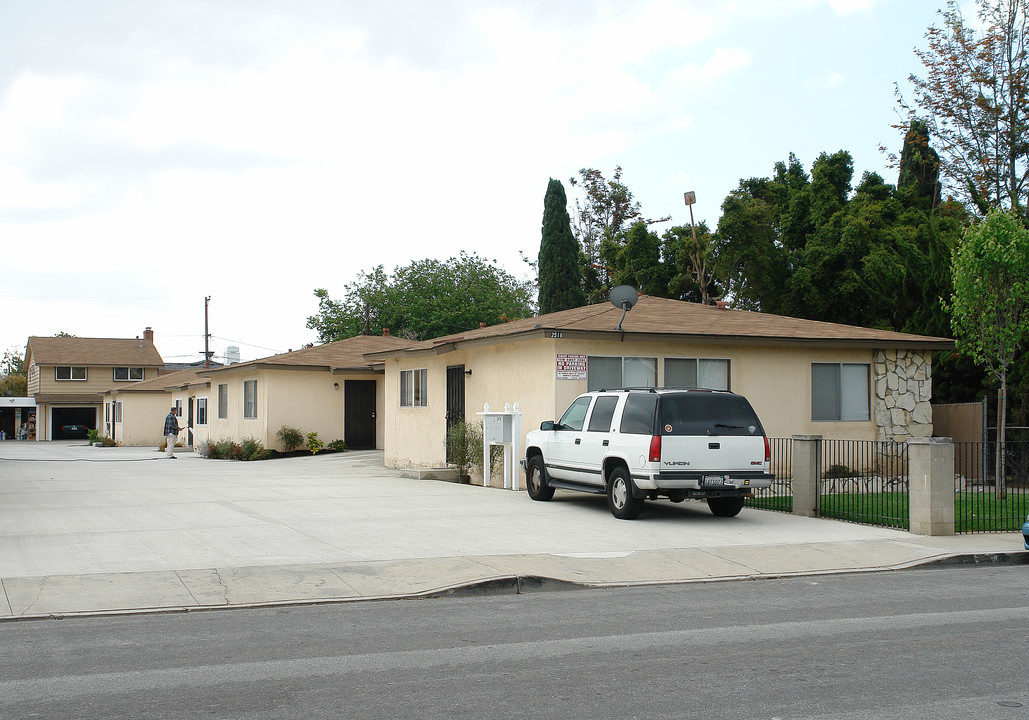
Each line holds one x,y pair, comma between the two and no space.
709,373
840,392
413,387
250,398
201,411
117,412
615,372
122,374
70,372
223,401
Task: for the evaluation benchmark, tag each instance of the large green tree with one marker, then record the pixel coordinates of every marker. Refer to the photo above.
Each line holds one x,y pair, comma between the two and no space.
426,299
559,266
990,303
603,216
975,93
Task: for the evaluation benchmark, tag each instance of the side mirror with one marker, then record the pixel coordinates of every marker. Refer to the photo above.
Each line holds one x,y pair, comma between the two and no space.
547,425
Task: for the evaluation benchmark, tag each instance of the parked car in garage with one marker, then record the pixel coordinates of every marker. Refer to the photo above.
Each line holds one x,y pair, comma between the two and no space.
74,430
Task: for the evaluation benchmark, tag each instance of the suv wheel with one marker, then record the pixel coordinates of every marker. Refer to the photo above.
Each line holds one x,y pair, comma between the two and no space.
619,496
725,506
536,479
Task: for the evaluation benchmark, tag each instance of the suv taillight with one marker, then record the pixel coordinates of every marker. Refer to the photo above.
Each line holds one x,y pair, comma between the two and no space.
655,448
768,450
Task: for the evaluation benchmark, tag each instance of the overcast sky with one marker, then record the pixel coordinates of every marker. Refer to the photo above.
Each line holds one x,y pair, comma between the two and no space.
154,153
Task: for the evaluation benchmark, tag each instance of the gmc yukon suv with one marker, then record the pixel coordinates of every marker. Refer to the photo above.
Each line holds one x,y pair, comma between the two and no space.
633,444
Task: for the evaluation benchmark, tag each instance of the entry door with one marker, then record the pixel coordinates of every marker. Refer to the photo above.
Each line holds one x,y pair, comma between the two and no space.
359,414
189,421
455,402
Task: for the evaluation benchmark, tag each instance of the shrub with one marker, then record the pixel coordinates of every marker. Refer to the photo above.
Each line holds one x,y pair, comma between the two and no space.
290,437
313,443
839,471
108,442
337,445
93,435
252,449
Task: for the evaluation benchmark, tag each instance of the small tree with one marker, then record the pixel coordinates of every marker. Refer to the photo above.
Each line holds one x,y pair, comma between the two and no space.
990,304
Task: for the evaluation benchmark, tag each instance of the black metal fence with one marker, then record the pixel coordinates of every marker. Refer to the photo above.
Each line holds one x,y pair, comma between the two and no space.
865,481
778,497
980,503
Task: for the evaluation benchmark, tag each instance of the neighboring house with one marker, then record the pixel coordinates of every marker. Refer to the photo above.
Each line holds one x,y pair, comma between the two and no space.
329,389
134,414
67,377
802,376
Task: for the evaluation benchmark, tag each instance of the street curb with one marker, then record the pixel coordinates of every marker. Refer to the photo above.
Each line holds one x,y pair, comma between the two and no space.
525,584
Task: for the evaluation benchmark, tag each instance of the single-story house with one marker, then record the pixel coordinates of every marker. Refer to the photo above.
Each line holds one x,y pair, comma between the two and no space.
134,414
67,377
801,376
330,389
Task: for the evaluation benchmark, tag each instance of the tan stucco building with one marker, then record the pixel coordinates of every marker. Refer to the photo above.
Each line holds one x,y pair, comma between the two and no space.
332,389
134,414
802,376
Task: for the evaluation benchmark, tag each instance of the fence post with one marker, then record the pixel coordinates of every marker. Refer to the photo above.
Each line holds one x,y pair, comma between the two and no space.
931,485
807,467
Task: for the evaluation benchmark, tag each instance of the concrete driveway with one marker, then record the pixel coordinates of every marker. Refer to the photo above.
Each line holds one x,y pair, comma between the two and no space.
86,529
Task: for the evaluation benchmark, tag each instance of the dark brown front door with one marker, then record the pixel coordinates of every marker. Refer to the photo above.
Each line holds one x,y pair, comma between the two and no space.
455,401
359,414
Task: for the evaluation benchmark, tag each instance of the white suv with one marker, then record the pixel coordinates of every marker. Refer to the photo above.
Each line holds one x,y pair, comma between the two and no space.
639,443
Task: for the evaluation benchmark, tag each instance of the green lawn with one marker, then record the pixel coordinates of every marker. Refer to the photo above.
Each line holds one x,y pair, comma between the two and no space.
973,512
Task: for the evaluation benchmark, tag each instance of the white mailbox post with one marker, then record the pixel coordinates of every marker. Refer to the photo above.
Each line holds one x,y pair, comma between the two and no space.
501,428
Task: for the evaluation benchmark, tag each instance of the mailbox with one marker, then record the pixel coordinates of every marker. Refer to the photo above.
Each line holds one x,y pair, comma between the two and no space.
498,428
502,428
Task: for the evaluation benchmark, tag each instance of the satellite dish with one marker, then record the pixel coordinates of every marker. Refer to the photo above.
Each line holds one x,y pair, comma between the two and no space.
624,297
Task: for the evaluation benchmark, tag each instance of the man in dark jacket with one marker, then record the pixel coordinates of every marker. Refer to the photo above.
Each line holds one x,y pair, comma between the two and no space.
171,432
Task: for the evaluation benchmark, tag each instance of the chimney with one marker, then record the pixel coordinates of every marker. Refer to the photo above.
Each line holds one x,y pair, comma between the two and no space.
481,324
385,332
148,334
722,305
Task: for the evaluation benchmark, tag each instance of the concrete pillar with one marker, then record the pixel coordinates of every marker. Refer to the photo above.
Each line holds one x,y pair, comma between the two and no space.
931,485
807,464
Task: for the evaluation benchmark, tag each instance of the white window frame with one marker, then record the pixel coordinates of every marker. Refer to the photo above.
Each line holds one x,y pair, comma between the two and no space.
117,412
593,385
848,403
178,407
414,387
223,401
129,372
250,399
200,417
699,361
71,373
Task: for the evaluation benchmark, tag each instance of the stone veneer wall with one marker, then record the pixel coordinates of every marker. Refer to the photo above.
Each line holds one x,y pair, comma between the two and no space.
903,389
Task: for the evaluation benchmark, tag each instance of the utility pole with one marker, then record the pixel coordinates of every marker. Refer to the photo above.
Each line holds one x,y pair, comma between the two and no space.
207,336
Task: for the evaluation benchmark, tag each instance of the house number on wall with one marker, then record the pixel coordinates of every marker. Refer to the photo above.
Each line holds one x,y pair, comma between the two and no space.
557,335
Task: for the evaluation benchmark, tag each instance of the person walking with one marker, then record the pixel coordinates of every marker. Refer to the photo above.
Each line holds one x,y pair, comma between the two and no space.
171,432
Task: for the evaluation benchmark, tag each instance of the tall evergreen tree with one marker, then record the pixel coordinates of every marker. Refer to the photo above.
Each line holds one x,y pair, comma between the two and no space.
559,265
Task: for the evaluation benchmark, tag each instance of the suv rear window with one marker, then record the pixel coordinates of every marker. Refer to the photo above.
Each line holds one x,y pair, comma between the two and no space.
638,415
708,414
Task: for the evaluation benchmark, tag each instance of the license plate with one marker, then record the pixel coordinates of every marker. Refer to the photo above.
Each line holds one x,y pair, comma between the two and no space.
720,480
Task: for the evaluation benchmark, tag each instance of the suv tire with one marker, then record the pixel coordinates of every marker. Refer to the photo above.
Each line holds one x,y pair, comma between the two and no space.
536,480
725,506
620,499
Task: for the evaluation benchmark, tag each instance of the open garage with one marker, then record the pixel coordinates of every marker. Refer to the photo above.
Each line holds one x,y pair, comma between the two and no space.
72,423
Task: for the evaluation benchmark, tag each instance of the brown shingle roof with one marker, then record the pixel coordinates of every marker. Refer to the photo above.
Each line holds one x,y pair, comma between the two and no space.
93,351
663,318
161,383
342,354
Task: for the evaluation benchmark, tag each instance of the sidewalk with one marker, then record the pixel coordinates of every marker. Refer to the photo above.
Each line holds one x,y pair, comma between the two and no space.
105,530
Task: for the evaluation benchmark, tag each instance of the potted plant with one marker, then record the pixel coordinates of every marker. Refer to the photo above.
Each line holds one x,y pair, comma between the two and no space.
461,441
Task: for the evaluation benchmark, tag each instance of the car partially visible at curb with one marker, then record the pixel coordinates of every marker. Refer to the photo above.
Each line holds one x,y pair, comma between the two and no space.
1025,532
634,444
